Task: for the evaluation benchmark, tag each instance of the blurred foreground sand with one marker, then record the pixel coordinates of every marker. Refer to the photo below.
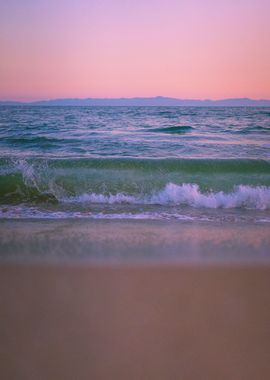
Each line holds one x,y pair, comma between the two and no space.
135,322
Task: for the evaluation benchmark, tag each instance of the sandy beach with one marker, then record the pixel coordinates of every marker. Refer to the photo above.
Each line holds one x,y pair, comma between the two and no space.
135,322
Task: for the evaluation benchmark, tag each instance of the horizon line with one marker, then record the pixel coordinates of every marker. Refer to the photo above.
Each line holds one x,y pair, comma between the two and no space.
4,100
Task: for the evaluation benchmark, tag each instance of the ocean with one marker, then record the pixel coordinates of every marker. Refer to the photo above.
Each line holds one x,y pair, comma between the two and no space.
156,171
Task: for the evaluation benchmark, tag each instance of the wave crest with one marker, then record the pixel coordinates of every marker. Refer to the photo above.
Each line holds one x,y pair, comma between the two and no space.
189,194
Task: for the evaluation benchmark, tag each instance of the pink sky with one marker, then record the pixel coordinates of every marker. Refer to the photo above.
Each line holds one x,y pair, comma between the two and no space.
125,48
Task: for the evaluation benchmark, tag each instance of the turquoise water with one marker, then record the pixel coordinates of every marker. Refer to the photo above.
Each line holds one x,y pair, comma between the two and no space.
169,163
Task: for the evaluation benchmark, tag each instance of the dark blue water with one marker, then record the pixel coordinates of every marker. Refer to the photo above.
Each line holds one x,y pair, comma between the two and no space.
159,132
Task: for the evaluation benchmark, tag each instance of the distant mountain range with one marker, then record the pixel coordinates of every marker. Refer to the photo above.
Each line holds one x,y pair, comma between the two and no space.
151,101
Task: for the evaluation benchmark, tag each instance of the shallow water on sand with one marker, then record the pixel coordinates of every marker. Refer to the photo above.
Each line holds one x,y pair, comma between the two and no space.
132,241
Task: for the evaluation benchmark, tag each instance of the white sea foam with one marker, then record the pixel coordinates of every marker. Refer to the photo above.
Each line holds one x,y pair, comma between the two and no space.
100,198
188,194
25,212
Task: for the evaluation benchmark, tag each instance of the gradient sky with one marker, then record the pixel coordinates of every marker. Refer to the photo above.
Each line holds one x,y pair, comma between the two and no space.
113,48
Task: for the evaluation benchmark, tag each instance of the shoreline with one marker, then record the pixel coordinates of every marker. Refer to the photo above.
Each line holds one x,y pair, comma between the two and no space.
133,241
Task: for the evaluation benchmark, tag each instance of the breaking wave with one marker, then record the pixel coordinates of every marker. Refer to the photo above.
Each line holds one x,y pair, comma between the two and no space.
188,194
235,184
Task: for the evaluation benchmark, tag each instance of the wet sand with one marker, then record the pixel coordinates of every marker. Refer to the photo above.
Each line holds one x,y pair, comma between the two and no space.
133,241
135,322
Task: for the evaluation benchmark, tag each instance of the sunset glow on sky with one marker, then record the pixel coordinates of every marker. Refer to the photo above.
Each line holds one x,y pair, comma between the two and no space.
125,48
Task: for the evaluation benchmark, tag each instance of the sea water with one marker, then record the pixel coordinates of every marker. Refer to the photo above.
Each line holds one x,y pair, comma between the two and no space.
171,165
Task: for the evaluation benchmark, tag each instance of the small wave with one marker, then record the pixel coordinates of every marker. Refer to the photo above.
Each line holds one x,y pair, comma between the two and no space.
33,140
188,194
254,129
167,114
176,129
266,113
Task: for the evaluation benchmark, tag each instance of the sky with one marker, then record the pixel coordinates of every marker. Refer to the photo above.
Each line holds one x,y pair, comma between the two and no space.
197,49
